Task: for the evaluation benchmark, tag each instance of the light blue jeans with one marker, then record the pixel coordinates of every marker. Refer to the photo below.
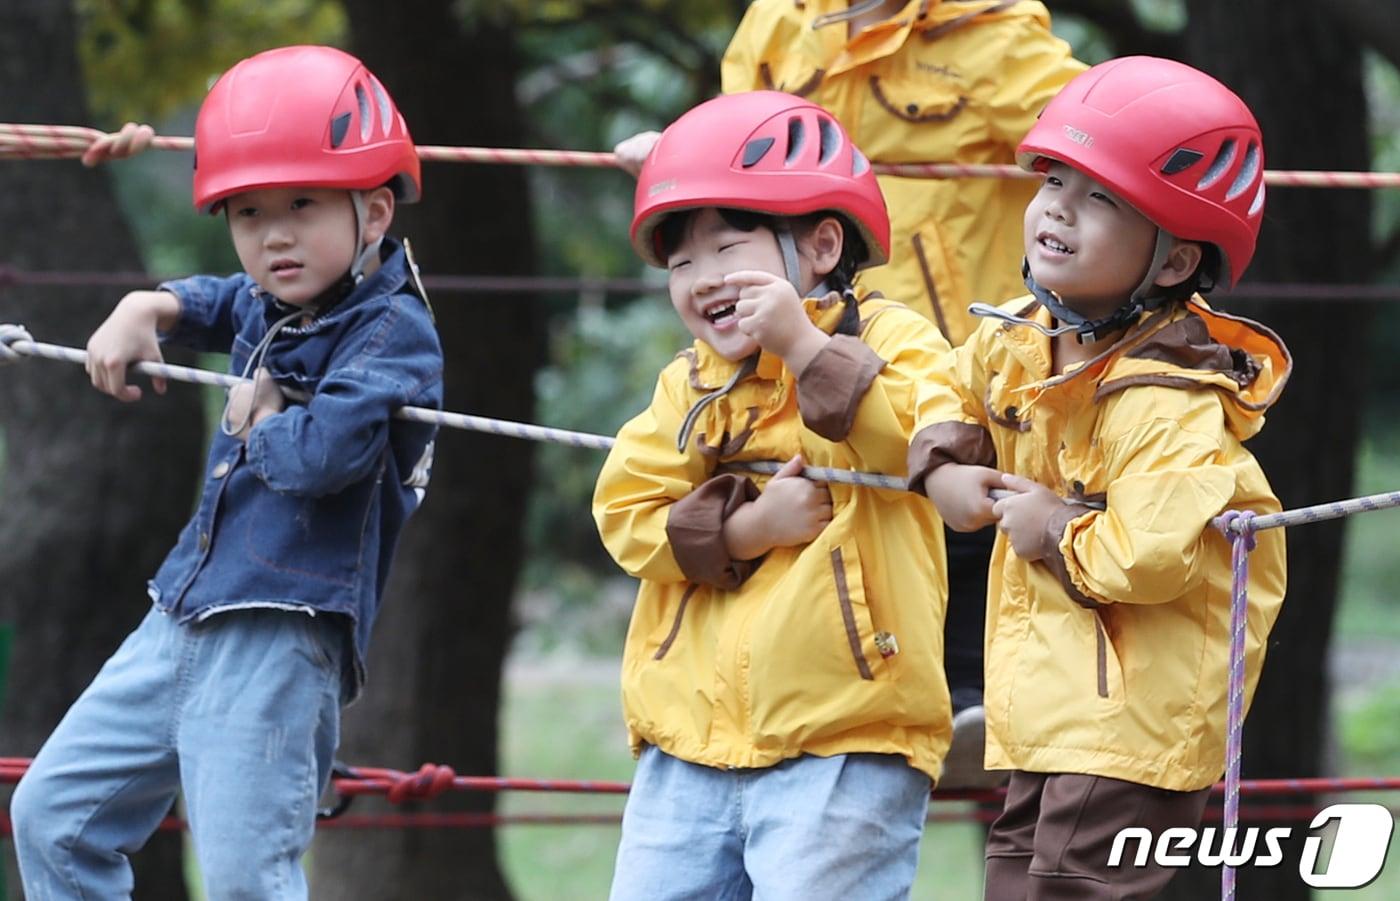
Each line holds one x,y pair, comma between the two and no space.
241,712
808,829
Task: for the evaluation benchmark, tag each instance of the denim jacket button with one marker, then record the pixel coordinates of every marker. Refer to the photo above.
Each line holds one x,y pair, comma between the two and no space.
204,541
220,470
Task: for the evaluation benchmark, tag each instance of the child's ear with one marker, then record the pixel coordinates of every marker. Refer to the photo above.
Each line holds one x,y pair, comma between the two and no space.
824,243
379,213
1181,263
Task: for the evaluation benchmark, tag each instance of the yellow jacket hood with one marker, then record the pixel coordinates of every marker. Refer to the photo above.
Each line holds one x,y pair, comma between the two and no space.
1247,362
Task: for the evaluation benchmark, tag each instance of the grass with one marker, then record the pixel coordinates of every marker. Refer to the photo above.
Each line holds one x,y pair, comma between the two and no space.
1370,607
564,721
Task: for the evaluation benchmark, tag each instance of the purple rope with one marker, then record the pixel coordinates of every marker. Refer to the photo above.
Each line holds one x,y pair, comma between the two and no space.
1238,526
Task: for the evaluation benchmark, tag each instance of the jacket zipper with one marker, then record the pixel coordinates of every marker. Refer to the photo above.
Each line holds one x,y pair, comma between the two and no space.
848,614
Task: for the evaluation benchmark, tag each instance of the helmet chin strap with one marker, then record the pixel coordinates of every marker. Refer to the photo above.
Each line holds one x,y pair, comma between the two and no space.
845,15
367,251
340,289
788,246
1085,329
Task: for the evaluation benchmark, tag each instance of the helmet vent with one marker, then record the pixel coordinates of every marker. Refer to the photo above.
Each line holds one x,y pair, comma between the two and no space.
754,151
859,164
366,123
1258,204
1182,158
339,126
386,111
1222,162
830,141
1248,170
797,136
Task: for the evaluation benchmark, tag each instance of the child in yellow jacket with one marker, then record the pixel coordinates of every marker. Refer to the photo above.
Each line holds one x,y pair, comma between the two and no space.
782,676
1111,405
919,81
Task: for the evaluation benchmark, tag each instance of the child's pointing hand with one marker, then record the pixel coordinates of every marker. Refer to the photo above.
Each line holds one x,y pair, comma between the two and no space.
771,313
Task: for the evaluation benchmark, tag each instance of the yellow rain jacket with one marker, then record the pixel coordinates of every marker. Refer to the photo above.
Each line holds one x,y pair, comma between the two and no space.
1110,656
943,82
827,648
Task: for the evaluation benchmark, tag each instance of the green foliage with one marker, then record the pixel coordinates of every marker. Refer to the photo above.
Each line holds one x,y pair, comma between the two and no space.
596,74
587,87
154,191
1370,571
145,59
1369,735
1091,45
605,364
679,16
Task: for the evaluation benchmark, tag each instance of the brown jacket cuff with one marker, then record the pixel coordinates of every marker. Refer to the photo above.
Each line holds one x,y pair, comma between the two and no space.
1051,556
695,530
830,389
948,442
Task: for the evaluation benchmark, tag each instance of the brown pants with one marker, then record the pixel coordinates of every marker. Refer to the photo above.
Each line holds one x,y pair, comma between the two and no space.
1053,838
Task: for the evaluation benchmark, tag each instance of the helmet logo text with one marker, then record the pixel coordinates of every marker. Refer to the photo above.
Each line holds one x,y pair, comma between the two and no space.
1083,138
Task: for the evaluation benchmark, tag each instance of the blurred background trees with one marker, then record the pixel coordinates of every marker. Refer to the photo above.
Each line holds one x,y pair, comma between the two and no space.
503,560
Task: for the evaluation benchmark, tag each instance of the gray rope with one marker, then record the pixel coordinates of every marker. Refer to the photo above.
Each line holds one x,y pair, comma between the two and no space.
10,334
1316,513
16,343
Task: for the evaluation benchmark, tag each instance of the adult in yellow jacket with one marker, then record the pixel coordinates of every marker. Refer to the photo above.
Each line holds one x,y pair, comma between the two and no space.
1111,406
944,81
782,677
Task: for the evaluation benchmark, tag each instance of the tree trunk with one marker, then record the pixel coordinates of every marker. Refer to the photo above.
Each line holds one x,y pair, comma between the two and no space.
93,492
1300,73
435,664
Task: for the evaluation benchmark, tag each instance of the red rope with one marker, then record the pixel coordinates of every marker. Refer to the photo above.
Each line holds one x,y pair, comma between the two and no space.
378,781
1298,813
431,780
19,141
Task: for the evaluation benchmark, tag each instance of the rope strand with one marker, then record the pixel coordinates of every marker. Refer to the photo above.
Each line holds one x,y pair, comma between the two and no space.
17,344
22,141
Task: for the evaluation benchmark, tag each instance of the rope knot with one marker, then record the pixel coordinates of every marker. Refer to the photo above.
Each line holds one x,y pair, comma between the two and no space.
9,334
1241,523
430,781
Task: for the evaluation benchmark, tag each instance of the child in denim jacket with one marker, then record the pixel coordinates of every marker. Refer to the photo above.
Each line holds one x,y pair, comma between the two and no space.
231,688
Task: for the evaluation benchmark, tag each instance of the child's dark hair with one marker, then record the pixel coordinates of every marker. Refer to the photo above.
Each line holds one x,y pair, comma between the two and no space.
671,231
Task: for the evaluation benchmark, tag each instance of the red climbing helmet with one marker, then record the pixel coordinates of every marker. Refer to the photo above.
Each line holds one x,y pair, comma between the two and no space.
301,116
1175,143
764,151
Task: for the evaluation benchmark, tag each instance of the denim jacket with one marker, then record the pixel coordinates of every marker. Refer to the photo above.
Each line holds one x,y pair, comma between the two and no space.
306,515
